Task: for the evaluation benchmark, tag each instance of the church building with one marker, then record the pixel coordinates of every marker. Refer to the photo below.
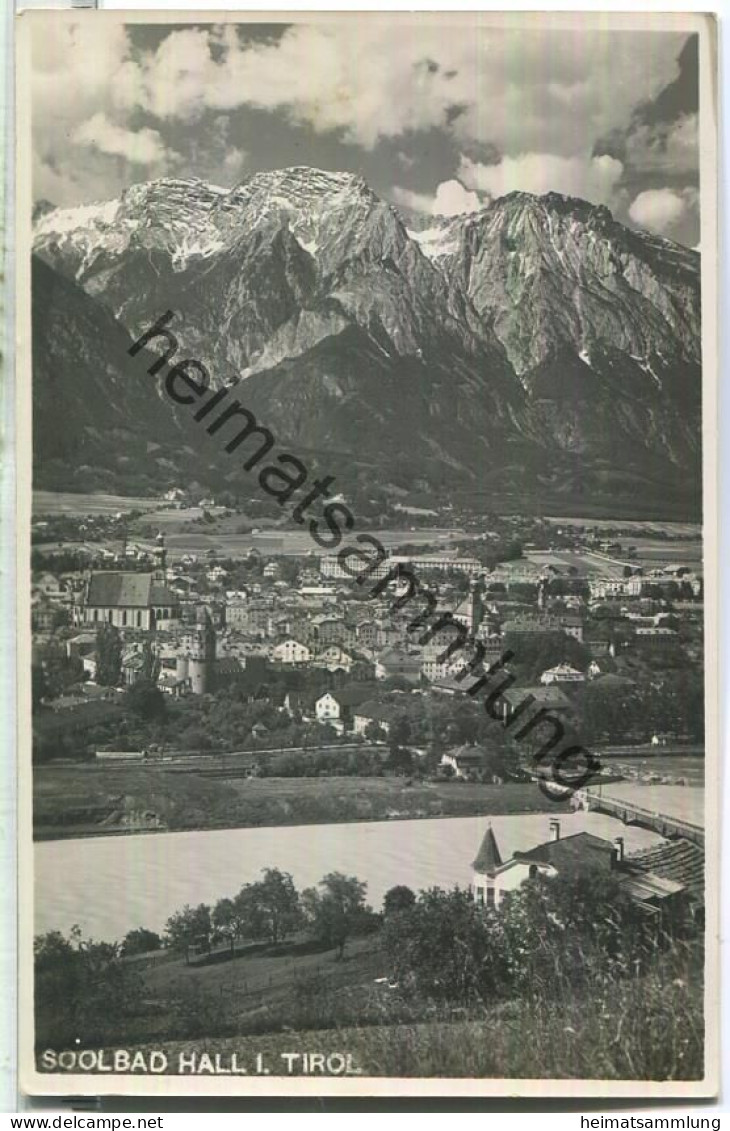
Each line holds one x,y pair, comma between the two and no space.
129,600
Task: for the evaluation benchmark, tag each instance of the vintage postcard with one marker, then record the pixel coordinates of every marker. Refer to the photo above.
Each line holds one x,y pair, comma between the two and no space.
367,396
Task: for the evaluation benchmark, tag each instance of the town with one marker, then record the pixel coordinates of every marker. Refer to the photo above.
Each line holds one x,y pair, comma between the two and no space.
269,661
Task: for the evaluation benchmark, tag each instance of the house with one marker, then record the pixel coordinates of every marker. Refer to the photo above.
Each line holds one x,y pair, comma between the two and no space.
602,588
681,861
43,615
465,760
656,637
572,625
327,708
301,703
82,644
544,698
535,626
562,673
493,878
450,685
133,664
327,629
368,634
291,652
228,671
334,659
394,662
381,714
339,705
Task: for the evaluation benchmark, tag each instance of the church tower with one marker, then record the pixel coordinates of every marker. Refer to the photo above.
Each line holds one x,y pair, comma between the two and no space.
160,556
201,654
476,607
471,610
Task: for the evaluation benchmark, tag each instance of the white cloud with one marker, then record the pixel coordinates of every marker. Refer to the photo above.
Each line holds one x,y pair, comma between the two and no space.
524,89
528,90
140,147
418,201
591,178
658,209
450,199
234,161
665,146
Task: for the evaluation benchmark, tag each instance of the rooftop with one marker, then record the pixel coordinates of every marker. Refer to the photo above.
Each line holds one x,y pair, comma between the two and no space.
678,860
581,850
130,590
488,858
544,696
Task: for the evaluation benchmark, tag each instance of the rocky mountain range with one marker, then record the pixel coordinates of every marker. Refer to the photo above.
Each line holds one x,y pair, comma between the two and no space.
534,350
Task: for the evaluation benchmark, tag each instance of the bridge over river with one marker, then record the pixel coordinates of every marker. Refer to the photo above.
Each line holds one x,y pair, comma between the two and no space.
671,810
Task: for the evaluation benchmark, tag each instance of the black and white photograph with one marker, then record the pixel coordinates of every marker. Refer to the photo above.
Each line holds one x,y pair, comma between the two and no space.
367,575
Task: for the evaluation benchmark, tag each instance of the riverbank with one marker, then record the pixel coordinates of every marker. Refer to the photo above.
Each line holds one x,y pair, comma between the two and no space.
89,800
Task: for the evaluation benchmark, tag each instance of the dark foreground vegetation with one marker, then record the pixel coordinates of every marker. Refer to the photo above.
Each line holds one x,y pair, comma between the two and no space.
567,980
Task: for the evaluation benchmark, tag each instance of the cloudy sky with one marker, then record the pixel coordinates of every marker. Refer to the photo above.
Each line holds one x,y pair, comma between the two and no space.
438,118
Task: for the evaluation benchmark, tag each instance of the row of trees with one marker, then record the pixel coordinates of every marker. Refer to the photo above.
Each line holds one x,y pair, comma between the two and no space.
271,909
574,937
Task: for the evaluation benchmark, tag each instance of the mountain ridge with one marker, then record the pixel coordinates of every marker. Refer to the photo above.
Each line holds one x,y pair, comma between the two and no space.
536,339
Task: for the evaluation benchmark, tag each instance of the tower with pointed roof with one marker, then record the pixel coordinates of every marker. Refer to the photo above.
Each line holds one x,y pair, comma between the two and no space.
485,867
471,610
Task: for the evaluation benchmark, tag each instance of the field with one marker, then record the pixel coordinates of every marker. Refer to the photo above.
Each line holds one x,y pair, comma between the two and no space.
265,1003
637,527
69,503
588,564
655,553
296,543
83,800
650,553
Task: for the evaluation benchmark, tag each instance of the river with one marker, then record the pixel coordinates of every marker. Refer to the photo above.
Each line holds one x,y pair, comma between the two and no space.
109,885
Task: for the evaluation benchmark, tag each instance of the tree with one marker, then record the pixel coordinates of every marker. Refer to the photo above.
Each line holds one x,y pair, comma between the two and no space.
271,906
108,656
536,654
562,929
59,671
446,947
289,569
139,941
400,731
151,664
80,987
399,898
146,700
189,928
227,921
400,760
610,709
336,909
374,732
